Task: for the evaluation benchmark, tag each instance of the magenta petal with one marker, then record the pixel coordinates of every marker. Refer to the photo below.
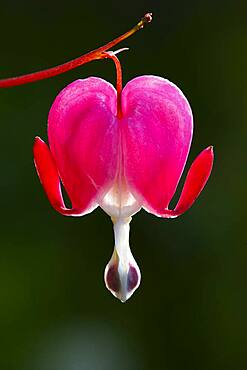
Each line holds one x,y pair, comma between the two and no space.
157,130
195,181
49,178
83,137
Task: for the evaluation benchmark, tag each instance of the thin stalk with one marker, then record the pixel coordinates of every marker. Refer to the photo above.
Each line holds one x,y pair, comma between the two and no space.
112,55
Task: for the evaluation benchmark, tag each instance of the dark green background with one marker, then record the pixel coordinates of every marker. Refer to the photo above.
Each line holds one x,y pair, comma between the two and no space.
190,310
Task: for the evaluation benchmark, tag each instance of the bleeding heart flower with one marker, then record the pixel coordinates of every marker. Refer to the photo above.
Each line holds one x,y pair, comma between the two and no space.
123,151
120,150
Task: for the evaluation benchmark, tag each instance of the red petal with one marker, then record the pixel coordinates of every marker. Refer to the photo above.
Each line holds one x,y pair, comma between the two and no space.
196,179
49,178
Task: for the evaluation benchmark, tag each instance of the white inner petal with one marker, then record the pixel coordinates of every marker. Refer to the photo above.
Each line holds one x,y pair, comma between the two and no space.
119,202
122,275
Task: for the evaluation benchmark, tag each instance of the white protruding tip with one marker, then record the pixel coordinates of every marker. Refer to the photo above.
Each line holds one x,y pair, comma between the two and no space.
122,274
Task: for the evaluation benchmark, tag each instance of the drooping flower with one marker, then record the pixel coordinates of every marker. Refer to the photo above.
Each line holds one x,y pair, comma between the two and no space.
121,150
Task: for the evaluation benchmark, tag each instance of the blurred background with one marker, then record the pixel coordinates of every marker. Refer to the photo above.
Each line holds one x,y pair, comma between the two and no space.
190,310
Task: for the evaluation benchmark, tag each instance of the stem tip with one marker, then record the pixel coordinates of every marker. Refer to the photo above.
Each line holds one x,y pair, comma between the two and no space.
148,17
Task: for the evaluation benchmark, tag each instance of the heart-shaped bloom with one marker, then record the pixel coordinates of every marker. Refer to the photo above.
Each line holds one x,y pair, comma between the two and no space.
120,163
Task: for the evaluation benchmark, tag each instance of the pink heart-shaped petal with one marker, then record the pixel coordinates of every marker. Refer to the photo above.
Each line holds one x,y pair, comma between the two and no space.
157,130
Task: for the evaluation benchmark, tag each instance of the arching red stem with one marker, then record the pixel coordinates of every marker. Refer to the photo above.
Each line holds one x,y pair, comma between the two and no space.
92,55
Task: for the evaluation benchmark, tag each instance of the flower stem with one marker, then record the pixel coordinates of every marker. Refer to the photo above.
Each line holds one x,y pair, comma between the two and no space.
112,55
88,57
